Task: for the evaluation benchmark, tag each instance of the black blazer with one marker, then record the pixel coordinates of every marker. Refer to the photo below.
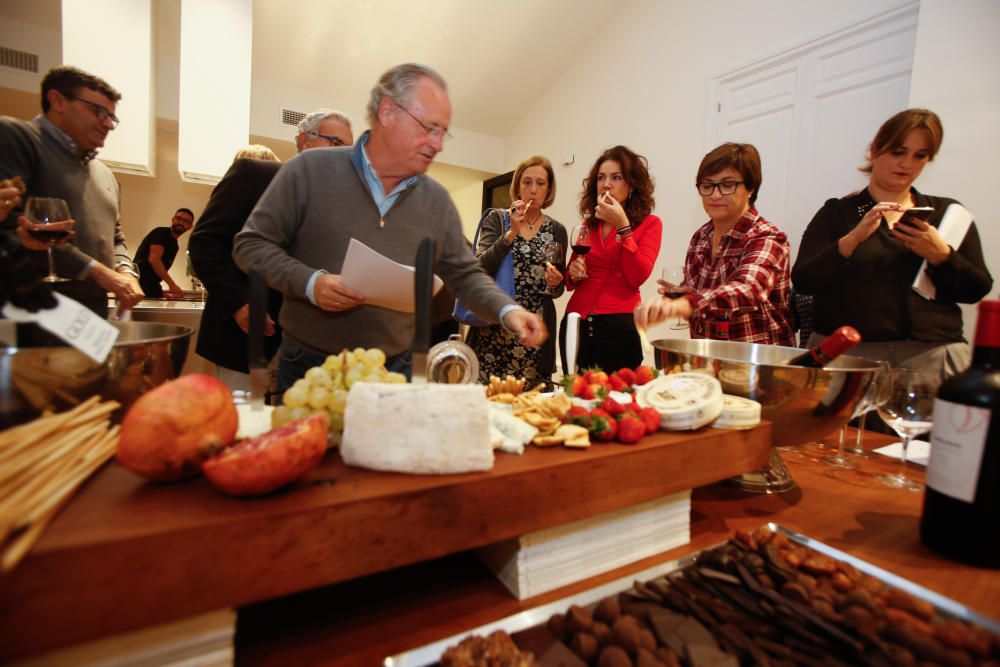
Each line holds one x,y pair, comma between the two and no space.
220,339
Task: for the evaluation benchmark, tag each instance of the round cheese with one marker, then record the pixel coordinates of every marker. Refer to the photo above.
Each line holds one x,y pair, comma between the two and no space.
685,401
738,413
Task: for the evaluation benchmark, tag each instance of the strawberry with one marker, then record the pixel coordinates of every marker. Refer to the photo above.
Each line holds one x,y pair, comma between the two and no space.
651,418
574,385
600,377
627,375
592,391
617,384
633,409
603,426
644,374
577,415
612,407
630,430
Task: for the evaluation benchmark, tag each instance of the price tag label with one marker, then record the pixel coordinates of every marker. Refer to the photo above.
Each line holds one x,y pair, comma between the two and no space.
74,323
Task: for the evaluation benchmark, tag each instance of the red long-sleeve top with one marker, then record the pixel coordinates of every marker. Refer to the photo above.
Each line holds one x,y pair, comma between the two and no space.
616,270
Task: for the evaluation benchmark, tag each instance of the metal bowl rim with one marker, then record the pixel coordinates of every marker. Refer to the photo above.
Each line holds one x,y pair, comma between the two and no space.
850,363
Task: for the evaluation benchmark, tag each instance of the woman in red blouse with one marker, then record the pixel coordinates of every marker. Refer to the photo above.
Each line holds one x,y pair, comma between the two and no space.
737,263
624,236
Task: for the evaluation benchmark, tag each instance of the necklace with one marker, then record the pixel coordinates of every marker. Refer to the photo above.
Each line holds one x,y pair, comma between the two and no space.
531,225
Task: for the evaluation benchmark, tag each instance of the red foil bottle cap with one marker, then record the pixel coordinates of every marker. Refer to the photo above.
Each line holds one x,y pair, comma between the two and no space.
839,341
988,324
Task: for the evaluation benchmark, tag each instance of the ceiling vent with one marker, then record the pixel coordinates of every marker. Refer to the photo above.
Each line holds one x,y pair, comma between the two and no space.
289,117
22,60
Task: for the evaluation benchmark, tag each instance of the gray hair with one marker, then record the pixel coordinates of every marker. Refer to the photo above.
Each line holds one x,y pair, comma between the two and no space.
398,83
312,121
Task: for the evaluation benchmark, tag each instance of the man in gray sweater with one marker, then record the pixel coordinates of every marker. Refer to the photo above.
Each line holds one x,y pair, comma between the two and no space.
377,193
54,154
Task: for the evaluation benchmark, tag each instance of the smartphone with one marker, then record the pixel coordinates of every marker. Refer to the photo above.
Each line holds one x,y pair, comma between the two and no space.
920,212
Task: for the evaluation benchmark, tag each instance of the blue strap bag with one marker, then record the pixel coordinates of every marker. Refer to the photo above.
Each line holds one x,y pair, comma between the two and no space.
504,275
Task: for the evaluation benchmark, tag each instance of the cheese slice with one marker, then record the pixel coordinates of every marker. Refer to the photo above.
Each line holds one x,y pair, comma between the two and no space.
420,429
738,413
516,432
685,401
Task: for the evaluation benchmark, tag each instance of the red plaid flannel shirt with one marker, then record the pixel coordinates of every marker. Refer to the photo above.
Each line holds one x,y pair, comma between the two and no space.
748,279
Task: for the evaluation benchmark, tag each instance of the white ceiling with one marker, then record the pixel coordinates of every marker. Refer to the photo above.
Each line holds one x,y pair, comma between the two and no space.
496,56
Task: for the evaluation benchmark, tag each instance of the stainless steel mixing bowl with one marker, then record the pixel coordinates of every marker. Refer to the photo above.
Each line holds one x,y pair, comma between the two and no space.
803,403
37,379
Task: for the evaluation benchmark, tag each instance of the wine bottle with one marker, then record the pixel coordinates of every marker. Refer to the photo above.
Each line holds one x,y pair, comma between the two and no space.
830,348
961,517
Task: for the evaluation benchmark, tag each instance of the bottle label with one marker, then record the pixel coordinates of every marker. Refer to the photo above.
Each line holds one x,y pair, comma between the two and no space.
957,443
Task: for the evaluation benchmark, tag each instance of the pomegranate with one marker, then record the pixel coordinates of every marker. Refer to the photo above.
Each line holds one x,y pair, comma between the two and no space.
260,465
171,429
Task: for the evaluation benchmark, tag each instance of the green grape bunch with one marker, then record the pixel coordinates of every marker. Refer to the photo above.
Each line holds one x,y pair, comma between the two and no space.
324,388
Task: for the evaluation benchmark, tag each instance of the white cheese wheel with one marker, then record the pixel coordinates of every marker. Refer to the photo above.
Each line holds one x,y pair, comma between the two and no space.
685,401
738,413
430,428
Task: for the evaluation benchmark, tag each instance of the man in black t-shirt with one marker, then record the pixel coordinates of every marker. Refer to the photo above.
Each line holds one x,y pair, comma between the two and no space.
156,254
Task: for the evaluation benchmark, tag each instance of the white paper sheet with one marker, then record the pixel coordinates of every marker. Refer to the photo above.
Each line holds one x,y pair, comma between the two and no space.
918,452
384,282
954,225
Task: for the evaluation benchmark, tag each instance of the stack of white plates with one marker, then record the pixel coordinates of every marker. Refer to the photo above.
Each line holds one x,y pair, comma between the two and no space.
547,559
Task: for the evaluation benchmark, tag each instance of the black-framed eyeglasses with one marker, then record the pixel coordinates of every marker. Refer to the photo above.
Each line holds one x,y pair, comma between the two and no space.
331,139
101,112
432,131
706,189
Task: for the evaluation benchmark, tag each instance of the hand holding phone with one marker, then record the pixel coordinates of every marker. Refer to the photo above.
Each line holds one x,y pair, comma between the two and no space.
921,213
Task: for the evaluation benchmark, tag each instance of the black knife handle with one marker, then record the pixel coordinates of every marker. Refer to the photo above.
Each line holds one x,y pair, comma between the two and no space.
257,298
423,285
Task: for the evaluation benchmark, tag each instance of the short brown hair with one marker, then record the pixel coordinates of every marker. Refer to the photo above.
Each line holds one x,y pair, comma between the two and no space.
534,161
744,158
893,133
635,169
67,80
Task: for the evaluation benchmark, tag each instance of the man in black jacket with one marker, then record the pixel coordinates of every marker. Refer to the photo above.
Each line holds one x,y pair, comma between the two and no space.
222,336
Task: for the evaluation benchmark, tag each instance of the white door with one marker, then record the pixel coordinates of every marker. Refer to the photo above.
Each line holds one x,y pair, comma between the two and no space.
813,109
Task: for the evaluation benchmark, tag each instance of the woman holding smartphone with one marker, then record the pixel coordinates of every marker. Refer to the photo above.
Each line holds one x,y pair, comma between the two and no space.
861,253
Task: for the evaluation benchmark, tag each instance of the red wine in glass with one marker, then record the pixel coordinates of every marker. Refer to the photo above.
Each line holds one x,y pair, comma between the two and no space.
580,239
44,213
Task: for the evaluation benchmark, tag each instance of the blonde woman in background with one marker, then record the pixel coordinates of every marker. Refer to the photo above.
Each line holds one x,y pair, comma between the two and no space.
538,244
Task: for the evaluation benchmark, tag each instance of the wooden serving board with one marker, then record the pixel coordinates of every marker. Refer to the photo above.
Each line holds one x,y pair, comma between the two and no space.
127,553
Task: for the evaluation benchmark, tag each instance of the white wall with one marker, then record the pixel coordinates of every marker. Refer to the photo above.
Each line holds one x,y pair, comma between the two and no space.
956,73
646,84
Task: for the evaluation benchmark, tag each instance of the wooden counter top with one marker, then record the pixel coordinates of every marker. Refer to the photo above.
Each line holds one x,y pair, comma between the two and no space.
126,554
361,622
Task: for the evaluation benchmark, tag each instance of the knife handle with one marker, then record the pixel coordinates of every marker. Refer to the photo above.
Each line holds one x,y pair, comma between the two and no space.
257,299
423,285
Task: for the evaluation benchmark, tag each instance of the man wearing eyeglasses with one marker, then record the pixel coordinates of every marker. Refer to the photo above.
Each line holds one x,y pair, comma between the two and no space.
324,128
222,336
54,154
378,194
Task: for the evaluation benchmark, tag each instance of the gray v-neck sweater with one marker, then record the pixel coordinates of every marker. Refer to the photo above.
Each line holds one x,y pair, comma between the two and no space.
305,220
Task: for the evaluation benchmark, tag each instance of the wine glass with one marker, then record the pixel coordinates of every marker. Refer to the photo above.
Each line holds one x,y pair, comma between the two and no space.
580,240
49,222
874,397
673,277
554,254
875,394
908,409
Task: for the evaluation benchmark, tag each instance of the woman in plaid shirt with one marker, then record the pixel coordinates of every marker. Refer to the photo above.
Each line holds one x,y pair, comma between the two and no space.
737,263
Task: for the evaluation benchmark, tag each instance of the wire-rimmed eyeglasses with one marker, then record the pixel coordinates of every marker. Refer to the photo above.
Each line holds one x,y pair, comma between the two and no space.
432,131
